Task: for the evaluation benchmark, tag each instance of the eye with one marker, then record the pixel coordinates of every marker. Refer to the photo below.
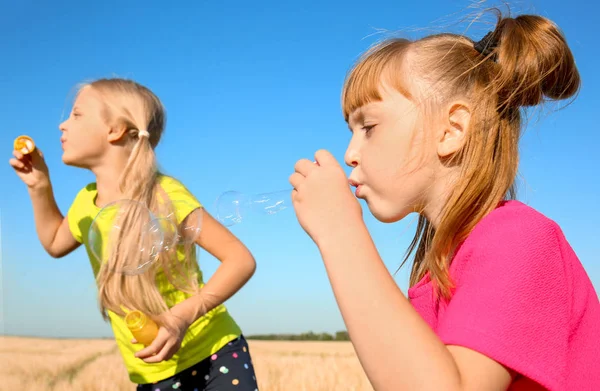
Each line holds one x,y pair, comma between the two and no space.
368,128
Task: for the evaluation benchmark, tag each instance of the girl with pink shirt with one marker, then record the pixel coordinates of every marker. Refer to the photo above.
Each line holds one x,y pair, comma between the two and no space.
498,299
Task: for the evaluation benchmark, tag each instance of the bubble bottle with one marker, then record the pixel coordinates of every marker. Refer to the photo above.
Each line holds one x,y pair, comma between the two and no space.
142,328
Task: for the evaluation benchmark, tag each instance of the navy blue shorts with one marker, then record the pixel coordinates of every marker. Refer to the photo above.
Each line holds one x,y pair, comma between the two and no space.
227,370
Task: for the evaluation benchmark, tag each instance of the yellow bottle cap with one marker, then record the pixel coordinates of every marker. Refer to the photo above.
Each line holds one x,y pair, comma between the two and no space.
24,144
135,320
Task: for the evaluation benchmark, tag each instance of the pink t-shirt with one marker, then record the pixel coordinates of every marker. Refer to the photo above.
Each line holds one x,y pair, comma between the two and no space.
522,298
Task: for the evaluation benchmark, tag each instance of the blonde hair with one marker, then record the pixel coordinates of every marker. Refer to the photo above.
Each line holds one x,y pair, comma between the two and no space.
133,106
528,60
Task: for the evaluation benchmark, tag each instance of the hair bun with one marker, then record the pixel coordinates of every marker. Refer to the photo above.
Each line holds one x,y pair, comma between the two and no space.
535,61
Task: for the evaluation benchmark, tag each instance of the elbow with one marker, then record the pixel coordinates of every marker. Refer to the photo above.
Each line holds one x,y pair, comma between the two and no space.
54,254
250,264
241,260
247,263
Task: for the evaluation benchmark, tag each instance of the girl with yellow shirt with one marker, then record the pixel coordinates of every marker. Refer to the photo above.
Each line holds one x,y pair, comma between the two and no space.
113,129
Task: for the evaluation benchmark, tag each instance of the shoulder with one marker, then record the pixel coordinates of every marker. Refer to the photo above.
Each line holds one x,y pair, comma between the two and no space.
514,242
171,184
514,223
182,199
82,210
512,297
85,196
516,232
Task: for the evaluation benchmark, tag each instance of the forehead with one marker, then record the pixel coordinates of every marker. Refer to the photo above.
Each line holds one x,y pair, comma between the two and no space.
389,100
370,109
386,63
87,97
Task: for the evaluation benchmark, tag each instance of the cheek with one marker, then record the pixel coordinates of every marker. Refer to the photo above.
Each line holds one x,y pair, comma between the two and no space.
419,151
399,169
395,154
86,139
91,132
76,129
395,157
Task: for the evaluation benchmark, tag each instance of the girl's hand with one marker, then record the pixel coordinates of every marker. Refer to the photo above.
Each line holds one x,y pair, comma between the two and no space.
31,168
167,341
322,198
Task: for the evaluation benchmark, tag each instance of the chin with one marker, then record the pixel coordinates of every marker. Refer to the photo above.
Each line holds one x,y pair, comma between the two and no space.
69,161
387,215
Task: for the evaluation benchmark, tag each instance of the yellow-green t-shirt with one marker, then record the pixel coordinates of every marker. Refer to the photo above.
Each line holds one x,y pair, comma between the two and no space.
204,337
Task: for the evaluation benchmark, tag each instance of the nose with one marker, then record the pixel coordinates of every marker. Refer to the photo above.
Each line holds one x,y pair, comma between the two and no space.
63,126
352,155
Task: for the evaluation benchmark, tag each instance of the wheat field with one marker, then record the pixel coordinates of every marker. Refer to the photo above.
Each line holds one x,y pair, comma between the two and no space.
95,365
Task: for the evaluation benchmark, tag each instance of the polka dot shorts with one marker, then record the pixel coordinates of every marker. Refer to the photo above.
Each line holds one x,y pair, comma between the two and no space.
230,369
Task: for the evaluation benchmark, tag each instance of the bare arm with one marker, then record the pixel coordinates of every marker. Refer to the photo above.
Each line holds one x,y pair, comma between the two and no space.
237,267
395,346
51,226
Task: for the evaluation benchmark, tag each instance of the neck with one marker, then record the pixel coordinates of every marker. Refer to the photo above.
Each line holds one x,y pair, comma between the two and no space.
108,177
439,194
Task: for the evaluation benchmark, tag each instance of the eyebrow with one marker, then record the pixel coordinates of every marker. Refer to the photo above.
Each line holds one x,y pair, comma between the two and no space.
360,116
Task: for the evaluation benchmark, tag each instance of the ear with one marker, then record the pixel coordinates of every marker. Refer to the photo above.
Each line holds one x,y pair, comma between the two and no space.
117,132
455,125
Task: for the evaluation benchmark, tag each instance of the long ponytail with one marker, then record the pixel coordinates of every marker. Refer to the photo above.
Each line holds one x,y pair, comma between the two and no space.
140,111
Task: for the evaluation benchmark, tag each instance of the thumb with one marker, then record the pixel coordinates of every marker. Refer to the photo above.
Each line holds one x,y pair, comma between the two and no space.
325,158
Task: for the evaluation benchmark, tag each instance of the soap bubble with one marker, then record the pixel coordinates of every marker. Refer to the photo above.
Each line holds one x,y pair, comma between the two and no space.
190,224
181,226
233,206
113,221
152,234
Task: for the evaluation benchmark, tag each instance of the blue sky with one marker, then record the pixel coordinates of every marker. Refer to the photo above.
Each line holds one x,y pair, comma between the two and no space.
249,89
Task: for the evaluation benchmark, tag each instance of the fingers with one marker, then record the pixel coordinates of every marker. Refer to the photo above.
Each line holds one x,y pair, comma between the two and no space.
162,348
18,154
35,155
20,166
26,159
16,164
304,167
155,347
134,341
165,353
296,179
325,158
20,161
